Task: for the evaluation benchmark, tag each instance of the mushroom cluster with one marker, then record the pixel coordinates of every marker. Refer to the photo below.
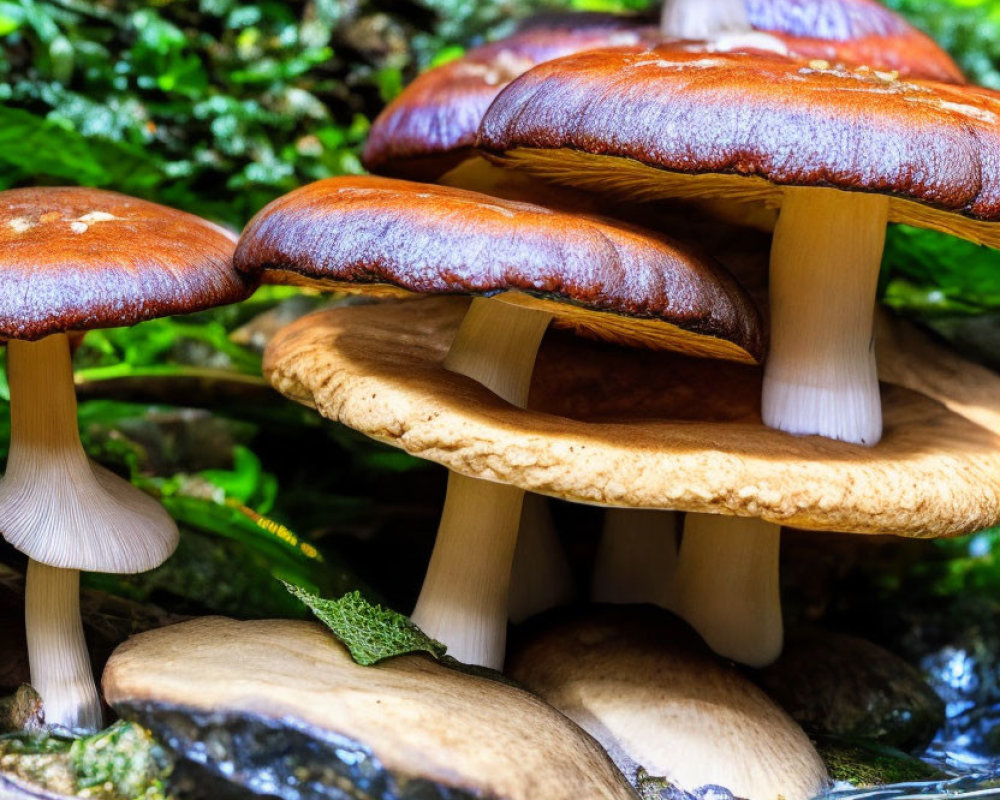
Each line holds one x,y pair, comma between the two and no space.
696,380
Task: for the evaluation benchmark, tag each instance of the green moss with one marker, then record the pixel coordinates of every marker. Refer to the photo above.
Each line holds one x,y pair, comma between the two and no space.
866,764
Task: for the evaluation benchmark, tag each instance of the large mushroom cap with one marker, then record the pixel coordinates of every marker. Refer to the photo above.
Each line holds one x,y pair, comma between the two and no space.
432,125
72,259
610,279
674,122
286,706
656,698
617,427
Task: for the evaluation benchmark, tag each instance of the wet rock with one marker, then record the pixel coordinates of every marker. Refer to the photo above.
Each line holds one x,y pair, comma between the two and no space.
867,764
838,685
277,708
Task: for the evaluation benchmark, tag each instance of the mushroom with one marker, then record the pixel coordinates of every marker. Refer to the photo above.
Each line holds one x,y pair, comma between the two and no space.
283,705
656,699
527,265
430,128
841,151
74,259
666,432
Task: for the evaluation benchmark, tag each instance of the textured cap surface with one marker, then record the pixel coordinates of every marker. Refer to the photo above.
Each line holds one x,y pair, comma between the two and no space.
409,726
606,278
73,259
670,121
854,32
433,123
379,370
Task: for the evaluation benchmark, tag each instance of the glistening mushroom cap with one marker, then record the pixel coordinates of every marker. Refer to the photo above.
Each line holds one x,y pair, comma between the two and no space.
694,443
676,122
432,125
606,278
73,259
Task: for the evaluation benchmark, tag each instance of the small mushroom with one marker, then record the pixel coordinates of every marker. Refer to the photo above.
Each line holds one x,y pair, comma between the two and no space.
282,704
656,699
527,265
841,151
72,260
666,432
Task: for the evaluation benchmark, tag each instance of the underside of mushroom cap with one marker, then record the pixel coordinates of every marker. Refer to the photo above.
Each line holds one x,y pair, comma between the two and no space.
675,122
432,125
606,278
73,259
694,443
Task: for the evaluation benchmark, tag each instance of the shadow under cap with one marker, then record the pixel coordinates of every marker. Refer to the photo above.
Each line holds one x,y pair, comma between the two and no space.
695,445
606,278
74,259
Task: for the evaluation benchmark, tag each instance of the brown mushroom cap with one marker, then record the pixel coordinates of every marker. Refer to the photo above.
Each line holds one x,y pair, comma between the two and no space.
603,277
854,32
74,258
671,122
695,444
432,125
414,727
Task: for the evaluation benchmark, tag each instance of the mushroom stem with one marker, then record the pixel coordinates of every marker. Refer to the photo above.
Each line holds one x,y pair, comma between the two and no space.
820,377
703,19
57,650
636,558
463,602
540,578
727,586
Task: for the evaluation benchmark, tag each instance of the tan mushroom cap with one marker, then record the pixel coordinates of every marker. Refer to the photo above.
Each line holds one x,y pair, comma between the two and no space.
672,121
421,721
693,441
74,258
602,277
644,685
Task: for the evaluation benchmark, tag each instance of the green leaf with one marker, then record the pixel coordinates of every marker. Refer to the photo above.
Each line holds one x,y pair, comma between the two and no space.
370,632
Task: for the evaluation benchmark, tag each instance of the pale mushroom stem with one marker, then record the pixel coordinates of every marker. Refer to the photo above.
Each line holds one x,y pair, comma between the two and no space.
463,602
45,445
727,586
540,577
57,651
636,558
820,377
703,19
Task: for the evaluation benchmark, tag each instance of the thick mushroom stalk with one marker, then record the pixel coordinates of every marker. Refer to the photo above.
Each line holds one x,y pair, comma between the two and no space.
727,586
69,514
464,599
820,377
636,558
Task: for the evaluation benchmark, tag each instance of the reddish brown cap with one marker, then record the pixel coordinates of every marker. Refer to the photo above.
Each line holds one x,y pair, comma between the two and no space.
73,259
431,126
859,32
610,279
672,112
